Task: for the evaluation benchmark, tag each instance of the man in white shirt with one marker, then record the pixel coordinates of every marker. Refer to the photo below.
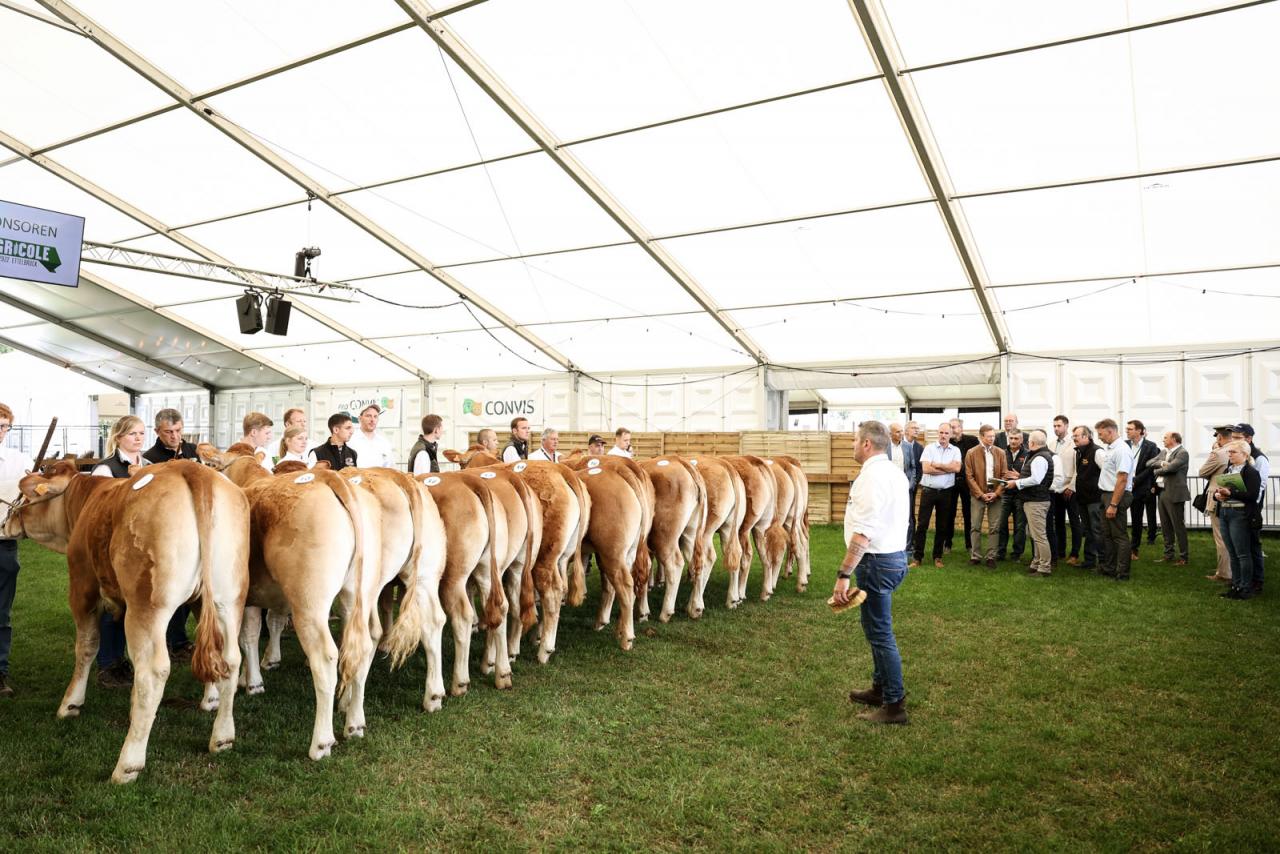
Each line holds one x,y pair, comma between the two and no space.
14,465
373,450
1062,509
257,435
1115,480
938,465
875,522
621,443
547,450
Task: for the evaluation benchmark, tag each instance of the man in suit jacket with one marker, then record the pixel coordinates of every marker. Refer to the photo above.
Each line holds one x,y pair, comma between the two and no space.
1144,483
1170,469
1010,426
983,463
904,453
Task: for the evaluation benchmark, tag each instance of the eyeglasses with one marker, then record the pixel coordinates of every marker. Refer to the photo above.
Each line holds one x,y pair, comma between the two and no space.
5,427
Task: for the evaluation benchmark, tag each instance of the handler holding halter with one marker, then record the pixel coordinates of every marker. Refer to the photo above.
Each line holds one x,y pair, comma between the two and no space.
875,529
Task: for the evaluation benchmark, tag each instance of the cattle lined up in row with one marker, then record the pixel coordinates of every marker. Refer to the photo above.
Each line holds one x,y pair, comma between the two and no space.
397,556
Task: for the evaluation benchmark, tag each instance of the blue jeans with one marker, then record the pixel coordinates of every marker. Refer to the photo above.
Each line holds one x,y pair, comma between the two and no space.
879,575
1237,537
8,587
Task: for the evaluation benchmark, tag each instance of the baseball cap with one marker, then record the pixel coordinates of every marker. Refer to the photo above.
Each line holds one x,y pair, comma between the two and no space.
371,406
1224,428
1246,429
595,439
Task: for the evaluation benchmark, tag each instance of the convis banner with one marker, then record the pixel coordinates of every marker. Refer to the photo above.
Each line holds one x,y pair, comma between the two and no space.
39,245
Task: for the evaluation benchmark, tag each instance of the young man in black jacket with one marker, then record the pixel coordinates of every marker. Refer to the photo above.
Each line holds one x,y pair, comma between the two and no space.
1088,495
336,452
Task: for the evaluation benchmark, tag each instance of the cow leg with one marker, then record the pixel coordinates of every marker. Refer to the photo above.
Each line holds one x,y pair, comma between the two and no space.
514,581
322,657
802,560
352,704
144,631
552,601
772,553
606,596
496,641
387,606
620,579
748,555
85,613
457,604
474,591
250,633
673,568
224,726
433,618
276,624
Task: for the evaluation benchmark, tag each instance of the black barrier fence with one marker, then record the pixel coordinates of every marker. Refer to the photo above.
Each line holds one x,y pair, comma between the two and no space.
79,440
1270,507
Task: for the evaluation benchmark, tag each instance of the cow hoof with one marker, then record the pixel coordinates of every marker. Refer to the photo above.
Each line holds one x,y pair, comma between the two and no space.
220,746
69,712
599,625
355,732
209,705
695,613
125,775
486,668
320,751
459,690
434,704
544,655
801,588
627,644
502,681
643,618
255,689
270,665
664,617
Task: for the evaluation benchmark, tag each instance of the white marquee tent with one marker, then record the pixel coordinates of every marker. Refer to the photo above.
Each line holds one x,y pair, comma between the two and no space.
506,189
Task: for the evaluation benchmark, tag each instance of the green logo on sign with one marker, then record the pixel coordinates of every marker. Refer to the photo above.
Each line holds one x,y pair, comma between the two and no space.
472,407
45,256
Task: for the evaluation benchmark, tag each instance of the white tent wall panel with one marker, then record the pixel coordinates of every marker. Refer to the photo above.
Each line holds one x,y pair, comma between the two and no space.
1153,394
231,407
1215,395
1266,401
1035,392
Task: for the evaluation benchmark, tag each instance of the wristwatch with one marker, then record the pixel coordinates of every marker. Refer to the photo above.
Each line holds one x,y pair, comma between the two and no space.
844,575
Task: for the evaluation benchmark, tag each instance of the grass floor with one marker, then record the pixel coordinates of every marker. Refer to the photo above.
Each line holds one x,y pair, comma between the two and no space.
1059,714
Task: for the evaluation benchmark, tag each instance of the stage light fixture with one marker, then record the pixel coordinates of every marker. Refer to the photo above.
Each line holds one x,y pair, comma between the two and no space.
302,261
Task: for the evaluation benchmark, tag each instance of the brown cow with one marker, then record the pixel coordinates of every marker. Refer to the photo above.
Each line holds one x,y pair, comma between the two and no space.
565,509
616,532
773,552
758,522
147,545
311,536
726,508
679,526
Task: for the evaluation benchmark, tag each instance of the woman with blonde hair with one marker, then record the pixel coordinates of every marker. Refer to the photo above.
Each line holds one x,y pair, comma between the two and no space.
124,449
1238,512
293,446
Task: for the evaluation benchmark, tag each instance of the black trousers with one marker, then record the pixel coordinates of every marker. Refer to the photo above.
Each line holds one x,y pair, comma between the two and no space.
1144,504
1063,510
941,503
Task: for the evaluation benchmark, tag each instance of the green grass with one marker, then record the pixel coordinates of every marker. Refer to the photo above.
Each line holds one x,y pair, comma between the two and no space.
1060,714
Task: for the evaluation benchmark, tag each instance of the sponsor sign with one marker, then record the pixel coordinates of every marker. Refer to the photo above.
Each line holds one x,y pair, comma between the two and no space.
389,401
485,407
39,245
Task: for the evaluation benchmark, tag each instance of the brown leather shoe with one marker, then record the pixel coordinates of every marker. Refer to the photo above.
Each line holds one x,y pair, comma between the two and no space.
890,713
1073,560
991,562
1133,556
913,564
6,687
973,561
938,563
1179,563
873,696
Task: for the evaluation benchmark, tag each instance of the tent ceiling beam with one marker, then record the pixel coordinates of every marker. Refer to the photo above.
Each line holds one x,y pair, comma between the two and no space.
460,53
110,199
70,366
76,329
239,135
911,114
53,22
193,328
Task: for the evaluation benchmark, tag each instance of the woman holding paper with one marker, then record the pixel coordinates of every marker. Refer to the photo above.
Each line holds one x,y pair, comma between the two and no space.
1237,496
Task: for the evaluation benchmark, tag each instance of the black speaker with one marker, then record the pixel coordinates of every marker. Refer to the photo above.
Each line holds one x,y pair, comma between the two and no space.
249,313
278,316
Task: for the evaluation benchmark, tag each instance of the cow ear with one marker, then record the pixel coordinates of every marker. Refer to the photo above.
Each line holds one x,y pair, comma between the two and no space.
209,455
134,470
453,456
322,464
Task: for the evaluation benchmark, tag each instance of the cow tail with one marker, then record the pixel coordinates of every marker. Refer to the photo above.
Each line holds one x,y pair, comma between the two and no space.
528,603
497,596
406,633
207,662
733,545
698,560
578,575
357,643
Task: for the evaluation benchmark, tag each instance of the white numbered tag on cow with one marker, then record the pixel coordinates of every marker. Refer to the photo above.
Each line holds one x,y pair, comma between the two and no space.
592,463
594,471
519,467
357,480
768,462
432,481
144,480
488,475
304,478
664,462
693,462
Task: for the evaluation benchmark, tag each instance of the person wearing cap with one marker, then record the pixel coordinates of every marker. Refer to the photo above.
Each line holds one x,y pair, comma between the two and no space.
1244,432
1215,465
621,443
595,445
371,447
547,450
